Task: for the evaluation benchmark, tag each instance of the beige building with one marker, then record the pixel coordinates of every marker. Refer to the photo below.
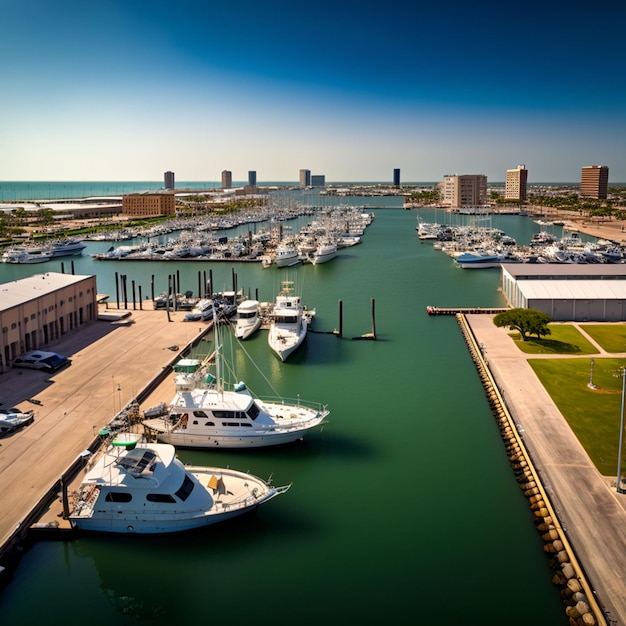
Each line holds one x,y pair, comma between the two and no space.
594,181
227,179
149,204
465,190
39,309
515,183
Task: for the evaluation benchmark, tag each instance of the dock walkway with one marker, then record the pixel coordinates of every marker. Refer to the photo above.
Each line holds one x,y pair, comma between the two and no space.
588,505
113,362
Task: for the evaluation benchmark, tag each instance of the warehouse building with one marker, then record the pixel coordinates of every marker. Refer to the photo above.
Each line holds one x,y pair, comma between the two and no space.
567,292
39,309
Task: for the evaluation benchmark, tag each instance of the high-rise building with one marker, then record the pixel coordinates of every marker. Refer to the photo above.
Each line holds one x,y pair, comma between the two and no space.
318,180
396,177
594,181
252,179
465,190
227,179
515,184
305,178
169,180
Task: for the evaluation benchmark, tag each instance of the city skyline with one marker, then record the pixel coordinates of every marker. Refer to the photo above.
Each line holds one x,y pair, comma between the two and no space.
127,91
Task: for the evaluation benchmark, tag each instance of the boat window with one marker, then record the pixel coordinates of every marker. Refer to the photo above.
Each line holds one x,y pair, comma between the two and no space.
185,489
246,424
195,422
209,424
160,497
200,414
224,415
230,424
253,411
118,496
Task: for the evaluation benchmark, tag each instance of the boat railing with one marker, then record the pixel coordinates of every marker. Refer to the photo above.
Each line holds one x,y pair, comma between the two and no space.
318,406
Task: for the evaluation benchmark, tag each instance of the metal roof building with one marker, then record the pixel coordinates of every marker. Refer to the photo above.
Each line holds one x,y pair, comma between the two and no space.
569,291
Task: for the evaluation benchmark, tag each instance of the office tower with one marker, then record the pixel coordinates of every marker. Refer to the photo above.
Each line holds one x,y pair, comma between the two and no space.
169,180
594,181
252,179
465,190
305,178
318,180
515,184
396,177
227,179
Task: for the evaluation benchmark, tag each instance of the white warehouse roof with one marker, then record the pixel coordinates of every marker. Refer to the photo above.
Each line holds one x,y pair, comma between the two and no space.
572,289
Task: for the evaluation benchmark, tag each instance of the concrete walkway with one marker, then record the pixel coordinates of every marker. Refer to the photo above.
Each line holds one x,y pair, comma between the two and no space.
590,510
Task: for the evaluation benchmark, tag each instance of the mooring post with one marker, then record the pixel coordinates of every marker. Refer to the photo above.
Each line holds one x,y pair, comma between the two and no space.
140,300
117,290
340,333
132,284
373,320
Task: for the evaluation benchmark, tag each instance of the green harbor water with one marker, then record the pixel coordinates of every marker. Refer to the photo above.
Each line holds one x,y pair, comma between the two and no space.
404,508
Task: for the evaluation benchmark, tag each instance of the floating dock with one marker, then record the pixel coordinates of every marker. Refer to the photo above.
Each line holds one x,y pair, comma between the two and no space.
435,310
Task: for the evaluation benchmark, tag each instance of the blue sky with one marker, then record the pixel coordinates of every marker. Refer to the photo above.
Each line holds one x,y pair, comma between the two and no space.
127,89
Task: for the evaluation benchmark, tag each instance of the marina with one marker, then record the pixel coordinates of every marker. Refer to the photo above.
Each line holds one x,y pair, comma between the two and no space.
423,354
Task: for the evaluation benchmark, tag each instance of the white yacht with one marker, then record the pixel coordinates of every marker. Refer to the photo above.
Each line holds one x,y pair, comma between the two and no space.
288,322
325,251
248,320
286,255
207,412
139,487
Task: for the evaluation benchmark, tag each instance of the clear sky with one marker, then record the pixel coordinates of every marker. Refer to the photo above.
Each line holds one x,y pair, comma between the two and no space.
127,89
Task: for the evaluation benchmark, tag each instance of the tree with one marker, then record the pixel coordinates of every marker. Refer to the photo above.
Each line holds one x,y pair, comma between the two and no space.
526,321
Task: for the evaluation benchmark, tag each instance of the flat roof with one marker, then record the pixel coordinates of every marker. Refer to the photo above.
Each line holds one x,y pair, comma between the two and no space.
573,289
25,289
577,271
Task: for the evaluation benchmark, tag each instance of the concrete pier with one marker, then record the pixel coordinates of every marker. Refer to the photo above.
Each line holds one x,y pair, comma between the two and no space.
113,362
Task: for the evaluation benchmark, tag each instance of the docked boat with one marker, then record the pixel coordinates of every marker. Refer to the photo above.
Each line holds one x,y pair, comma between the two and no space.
478,259
288,323
325,251
23,255
66,247
209,412
248,320
286,255
140,487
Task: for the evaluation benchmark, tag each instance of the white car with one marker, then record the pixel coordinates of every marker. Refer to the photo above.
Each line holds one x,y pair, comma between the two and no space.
38,360
12,419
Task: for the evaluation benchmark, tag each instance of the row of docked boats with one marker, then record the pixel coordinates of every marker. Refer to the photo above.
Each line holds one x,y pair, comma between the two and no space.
40,253
287,318
138,485
474,247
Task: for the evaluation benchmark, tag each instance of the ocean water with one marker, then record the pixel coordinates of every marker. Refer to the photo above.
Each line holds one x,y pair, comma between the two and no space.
404,508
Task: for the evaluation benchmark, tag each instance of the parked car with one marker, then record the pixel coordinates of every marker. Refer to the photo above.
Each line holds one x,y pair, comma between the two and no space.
12,419
38,360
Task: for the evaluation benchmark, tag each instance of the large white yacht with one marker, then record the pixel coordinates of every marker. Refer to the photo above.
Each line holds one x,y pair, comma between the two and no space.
288,322
209,412
140,487
248,320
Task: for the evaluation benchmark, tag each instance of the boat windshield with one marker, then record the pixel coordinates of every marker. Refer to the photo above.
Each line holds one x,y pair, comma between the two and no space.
253,411
139,462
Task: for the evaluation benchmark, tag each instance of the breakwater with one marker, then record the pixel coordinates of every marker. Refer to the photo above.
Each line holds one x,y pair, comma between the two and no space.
581,606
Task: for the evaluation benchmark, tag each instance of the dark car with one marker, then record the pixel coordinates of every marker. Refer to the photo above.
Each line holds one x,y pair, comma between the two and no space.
38,360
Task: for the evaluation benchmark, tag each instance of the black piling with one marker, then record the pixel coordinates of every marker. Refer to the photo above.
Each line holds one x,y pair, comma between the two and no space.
132,284
117,290
152,287
339,332
140,299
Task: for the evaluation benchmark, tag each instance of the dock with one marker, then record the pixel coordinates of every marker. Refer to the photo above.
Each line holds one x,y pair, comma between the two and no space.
435,310
114,364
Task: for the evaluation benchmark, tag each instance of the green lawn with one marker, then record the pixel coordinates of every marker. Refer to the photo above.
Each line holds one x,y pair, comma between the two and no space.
563,339
612,337
593,414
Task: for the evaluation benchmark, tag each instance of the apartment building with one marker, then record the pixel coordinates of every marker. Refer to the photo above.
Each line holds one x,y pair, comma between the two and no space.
594,181
516,183
465,190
